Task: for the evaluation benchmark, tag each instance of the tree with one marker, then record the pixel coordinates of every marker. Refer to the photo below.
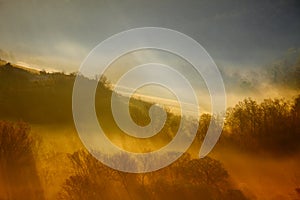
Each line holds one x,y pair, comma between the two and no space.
90,180
271,125
94,180
206,171
18,173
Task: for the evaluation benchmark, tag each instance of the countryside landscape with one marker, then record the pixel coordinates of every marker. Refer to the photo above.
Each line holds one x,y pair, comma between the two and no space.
42,156
211,75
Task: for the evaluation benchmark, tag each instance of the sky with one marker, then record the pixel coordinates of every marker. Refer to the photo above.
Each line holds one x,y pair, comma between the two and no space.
58,34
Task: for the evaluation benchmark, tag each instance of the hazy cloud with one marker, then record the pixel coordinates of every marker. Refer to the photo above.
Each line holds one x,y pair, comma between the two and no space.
235,33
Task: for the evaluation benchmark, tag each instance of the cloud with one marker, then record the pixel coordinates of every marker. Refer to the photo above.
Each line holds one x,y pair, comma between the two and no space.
239,33
7,55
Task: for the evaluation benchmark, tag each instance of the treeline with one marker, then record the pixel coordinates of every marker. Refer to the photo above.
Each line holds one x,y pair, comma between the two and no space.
46,98
186,178
272,125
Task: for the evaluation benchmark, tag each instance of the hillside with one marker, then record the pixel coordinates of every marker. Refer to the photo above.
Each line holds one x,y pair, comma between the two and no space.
253,131
35,97
46,99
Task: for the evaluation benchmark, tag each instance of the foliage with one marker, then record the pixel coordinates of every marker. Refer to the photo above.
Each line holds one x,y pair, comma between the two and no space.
45,98
18,175
186,178
272,125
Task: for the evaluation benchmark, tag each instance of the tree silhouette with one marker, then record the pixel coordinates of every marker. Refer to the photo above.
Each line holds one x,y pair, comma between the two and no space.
271,125
206,171
90,180
18,174
185,178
